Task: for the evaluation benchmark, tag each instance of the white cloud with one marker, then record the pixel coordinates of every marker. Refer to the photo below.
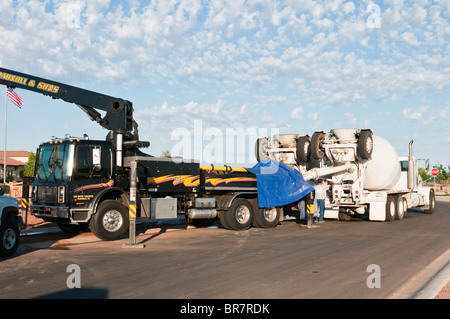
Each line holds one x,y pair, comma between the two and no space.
350,118
349,7
312,116
410,38
413,114
417,14
231,60
297,113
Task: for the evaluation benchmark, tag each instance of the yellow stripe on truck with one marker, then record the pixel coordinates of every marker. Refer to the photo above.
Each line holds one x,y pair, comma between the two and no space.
223,168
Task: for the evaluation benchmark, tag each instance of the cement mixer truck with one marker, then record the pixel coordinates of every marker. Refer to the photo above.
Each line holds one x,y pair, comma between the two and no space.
367,175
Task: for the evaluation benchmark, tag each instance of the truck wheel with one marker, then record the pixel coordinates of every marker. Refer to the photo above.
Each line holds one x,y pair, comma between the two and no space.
391,206
223,217
430,209
261,146
110,221
400,210
365,145
10,237
303,149
405,206
317,151
344,216
265,217
240,214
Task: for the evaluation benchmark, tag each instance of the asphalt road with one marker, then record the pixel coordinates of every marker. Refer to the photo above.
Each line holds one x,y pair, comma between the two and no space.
288,262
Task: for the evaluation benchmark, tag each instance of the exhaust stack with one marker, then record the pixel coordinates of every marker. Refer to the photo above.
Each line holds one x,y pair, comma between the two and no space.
411,168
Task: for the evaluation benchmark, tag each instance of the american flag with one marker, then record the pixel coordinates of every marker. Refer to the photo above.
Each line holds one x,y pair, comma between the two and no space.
14,97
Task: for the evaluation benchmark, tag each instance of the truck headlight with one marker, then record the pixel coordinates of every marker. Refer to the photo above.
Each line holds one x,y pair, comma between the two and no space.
61,193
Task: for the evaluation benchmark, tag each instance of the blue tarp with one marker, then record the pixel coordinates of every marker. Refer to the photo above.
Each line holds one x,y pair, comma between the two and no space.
278,184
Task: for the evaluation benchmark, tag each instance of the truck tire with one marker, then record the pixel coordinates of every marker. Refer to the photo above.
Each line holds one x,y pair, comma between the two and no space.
265,217
223,217
9,237
261,149
405,206
432,199
240,214
400,209
303,149
317,151
391,208
365,145
344,215
110,222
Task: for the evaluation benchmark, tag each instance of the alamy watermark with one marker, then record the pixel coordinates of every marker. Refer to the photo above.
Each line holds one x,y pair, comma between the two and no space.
374,279
74,279
219,146
73,16
374,19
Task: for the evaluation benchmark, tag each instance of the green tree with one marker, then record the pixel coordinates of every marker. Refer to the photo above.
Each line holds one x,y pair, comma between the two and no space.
165,154
444,173
423,174
29,166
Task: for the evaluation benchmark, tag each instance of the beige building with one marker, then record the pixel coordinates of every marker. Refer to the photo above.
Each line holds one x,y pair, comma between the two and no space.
15,164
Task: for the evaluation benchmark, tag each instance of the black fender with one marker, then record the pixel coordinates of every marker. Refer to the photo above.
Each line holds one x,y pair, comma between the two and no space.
224,202
109,193
10,212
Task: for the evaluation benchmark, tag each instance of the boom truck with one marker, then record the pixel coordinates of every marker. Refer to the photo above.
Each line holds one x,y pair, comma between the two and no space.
367,175
107,184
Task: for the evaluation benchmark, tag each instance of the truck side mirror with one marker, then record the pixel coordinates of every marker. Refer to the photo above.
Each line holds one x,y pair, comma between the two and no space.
2,192
96,159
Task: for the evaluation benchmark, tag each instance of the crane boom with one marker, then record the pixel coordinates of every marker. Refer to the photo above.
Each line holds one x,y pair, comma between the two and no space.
119,112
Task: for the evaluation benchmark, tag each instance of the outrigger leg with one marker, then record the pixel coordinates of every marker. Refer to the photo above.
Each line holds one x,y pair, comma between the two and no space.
310,211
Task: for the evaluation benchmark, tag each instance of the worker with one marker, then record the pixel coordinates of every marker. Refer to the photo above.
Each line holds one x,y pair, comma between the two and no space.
321,193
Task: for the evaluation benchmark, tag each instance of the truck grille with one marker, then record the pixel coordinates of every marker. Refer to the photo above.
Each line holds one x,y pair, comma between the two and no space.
47,194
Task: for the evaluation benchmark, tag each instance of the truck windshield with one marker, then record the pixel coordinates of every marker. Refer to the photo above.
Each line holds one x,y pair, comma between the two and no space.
56,161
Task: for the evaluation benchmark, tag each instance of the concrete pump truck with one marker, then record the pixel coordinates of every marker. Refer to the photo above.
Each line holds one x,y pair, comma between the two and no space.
107,184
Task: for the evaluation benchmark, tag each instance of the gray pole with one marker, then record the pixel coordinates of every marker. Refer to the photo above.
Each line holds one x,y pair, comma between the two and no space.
132,207
309,199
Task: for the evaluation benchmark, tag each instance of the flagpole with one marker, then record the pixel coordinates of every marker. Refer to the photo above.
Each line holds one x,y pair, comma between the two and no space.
4,155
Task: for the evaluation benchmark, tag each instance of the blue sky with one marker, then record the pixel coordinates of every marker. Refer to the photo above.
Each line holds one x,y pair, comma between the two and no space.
295,66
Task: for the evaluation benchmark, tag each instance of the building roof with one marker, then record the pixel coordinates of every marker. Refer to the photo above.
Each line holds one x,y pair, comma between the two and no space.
14,158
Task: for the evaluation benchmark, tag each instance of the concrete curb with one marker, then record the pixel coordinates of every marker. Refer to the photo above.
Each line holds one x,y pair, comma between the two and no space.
428,282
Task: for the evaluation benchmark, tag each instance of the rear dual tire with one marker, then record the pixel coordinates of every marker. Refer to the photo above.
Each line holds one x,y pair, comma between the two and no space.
239,216
244,213
266,217
396,207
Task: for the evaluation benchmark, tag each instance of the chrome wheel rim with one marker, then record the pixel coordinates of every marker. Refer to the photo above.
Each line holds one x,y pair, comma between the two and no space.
242,214
369,145
270,214
112,221
9,238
